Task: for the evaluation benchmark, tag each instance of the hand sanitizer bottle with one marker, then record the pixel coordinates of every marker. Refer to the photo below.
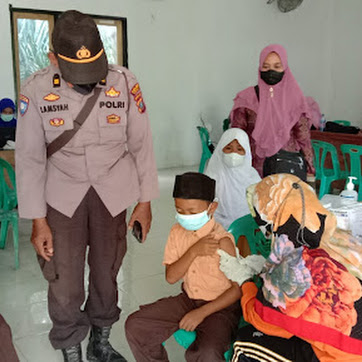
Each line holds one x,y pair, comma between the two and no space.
322,123
350,193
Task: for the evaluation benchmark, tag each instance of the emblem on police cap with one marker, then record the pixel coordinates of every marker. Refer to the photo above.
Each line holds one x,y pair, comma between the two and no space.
83,53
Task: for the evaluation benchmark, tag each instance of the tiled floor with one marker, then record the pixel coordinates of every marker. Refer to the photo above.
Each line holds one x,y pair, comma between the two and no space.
23,293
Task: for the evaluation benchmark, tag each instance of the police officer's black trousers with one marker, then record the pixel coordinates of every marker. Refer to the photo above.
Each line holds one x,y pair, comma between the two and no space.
92,225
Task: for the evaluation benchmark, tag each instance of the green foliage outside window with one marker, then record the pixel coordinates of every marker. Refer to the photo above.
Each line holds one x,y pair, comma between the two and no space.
33,40
109,38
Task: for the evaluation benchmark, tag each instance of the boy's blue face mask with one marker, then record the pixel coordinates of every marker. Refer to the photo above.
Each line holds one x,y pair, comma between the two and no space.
194,221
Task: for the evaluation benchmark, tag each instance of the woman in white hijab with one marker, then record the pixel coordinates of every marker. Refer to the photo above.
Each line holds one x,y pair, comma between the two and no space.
230,166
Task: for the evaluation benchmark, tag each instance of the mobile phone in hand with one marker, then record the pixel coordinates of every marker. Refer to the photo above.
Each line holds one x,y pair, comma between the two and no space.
137,231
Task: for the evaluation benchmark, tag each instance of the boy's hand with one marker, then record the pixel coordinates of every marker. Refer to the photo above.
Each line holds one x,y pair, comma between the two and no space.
206,246
192,319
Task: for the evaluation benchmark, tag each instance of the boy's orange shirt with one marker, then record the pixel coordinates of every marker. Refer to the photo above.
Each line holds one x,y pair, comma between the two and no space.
204,279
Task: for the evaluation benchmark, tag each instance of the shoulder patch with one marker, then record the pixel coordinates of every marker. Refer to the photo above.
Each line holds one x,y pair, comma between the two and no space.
141,106
135,89
24,104
137,97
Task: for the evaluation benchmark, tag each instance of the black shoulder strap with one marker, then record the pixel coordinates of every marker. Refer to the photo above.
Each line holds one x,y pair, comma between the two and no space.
67,135
257,91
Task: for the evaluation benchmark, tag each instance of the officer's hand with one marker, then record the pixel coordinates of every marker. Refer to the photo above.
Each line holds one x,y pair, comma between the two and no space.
142,212
42,238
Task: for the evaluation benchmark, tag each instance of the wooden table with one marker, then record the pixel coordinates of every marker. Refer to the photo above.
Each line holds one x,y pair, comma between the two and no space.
337,139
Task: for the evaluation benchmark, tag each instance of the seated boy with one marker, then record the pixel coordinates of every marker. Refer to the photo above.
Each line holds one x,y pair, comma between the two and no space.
209,302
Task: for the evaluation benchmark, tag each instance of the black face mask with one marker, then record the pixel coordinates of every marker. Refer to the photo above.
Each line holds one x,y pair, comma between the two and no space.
84,88
271,77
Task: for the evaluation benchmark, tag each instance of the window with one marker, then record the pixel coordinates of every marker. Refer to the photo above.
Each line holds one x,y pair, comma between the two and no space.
32,29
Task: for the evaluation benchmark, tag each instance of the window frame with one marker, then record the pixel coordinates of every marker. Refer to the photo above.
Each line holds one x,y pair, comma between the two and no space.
51,16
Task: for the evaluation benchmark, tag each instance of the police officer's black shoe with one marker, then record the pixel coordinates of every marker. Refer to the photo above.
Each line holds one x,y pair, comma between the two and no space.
72,354
99,349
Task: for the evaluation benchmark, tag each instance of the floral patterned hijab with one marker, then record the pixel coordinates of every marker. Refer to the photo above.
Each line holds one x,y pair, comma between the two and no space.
283,204
305,291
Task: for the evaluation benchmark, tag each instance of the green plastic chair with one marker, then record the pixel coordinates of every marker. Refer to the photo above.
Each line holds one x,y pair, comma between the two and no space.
9,185
342,122
8,203
246,226
205,142
324,174
353,167
226,124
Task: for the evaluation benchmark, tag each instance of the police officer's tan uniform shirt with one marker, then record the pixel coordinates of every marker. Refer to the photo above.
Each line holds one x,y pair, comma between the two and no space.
112,152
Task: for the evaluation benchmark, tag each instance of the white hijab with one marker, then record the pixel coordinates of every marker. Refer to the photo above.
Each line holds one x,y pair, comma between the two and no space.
231,182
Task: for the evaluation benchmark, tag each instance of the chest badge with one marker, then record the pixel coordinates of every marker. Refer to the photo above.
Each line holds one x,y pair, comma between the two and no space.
56,122
113,119
112,92
51,97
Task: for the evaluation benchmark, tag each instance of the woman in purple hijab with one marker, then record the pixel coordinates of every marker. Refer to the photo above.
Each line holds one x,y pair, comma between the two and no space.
275,114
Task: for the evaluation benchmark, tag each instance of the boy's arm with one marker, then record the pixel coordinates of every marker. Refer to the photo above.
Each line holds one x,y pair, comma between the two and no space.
176,270
205,246
192,319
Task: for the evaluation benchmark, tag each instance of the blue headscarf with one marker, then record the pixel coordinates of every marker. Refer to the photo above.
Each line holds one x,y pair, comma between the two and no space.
7,103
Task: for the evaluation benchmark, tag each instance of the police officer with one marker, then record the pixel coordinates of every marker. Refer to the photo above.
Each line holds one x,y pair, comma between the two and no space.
76,189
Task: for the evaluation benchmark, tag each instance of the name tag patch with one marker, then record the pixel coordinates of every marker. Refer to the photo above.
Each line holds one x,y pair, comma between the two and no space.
113,119
54,108
112,104
56,122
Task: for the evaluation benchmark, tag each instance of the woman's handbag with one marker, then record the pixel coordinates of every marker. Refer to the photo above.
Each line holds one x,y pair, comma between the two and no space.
286,162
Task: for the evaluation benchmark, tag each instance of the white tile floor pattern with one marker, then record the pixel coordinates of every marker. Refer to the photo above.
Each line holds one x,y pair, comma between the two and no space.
23,292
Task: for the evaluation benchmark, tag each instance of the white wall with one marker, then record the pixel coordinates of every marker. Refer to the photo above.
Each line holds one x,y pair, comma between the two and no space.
192,56
346,61
159,34
321,38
